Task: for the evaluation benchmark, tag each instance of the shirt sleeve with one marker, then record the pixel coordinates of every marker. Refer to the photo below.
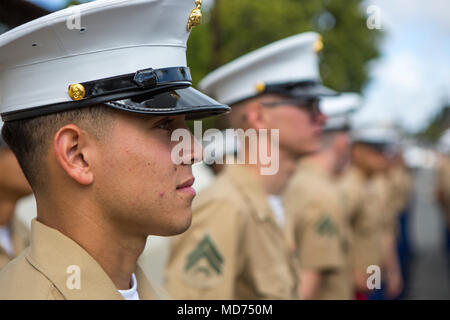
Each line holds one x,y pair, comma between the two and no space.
318,239
367,227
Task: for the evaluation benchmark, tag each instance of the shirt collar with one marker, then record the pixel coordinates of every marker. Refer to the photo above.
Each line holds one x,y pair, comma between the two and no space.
61,259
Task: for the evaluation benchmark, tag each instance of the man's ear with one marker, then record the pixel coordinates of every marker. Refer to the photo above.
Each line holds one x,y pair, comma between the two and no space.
72,152
256,116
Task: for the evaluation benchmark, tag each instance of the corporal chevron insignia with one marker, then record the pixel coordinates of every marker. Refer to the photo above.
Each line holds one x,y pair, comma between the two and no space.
204,265
205,250
326,227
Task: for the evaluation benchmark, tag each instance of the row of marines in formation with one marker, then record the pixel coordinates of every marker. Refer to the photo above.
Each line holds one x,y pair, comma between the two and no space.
322,226
317,228
338,220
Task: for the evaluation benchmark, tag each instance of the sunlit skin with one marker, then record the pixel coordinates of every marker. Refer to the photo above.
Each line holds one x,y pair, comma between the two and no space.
108,194
300,125
13,185
369,160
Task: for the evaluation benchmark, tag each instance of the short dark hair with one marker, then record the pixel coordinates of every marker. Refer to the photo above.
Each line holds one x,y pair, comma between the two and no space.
2,143
30,138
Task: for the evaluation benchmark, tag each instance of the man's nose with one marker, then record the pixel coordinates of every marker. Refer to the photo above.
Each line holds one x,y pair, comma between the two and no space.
320,118
196,150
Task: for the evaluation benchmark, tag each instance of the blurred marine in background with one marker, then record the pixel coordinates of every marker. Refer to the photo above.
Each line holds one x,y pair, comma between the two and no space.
313,201
14,235
373,219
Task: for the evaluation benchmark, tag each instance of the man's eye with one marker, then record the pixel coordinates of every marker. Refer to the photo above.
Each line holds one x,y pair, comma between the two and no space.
164,124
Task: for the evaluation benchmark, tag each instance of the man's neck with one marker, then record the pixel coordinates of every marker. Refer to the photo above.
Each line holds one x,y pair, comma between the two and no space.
323,160
275,184
117,253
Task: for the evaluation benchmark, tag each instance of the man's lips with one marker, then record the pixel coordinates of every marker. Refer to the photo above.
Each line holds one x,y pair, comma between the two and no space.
186,184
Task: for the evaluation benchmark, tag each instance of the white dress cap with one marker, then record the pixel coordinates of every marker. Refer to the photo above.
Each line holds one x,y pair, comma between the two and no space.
338,110
289,66
444,142
378,135
98,52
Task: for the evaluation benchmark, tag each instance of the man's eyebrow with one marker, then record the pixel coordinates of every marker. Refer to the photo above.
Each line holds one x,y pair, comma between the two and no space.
162,119
305,103
154,119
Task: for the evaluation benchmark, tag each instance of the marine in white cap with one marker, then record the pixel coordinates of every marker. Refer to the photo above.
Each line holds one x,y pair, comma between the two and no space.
313,201
366,190
89,113
237,247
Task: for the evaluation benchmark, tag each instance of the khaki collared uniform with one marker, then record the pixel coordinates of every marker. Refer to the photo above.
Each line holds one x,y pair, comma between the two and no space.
45,271
388,203
234,248
365,208
19,238
401,187
314,205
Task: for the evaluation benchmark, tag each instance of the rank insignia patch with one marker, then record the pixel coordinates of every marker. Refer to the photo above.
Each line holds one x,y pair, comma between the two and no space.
204,264
326,227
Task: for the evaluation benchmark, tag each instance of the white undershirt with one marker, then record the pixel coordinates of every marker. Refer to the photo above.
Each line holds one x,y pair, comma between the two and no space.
131,294
277,207
5,241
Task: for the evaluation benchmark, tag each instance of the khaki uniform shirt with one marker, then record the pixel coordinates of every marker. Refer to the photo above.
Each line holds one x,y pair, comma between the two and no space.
389,204
45,271
20,240
401,187
234,248
365,210
314,204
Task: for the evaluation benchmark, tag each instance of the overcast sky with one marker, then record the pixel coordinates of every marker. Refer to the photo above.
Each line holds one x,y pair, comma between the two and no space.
411,79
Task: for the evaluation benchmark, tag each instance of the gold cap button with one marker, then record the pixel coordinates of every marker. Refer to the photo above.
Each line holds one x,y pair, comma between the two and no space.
260,86
77,92
318,46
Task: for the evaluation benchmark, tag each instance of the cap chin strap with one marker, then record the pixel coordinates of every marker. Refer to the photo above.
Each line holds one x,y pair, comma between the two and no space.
148,81
142,79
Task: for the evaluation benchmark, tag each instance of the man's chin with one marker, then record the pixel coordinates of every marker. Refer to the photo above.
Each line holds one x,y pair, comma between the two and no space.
178,227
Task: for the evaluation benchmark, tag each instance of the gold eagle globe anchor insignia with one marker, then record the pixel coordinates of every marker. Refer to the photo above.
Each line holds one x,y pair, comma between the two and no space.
196,16
77,92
